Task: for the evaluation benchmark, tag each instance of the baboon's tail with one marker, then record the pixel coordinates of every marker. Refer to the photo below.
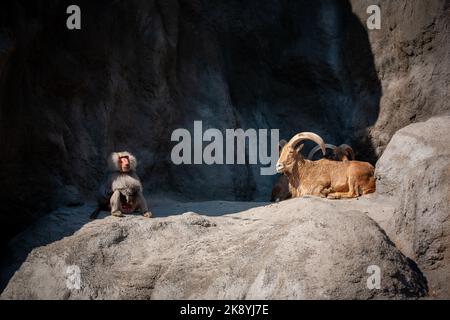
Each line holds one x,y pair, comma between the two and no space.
95,213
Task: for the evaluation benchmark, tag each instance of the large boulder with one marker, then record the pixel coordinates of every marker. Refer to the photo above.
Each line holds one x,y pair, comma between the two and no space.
415,171
305,248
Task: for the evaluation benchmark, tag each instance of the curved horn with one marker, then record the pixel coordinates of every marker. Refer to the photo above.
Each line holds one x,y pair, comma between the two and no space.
316,148
348,151
299,137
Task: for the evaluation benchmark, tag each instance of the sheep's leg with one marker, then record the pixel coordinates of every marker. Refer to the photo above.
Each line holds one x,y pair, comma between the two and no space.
325,192
352,192
319,191
369,187
342,195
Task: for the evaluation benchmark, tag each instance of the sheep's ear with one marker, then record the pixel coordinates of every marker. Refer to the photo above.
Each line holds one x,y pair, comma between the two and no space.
281,144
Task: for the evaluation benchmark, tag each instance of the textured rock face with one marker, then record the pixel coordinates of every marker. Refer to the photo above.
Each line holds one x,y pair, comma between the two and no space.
412,58
6,46
415,171
306,248
138,70
299,249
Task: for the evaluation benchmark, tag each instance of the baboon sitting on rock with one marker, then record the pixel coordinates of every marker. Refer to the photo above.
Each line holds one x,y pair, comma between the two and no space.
122,192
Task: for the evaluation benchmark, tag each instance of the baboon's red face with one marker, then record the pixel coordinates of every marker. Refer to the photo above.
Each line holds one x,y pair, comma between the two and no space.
124,164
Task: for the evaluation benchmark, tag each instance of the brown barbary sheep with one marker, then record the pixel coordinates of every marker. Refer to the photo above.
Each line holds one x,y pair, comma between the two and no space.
280,190
342,153
324,178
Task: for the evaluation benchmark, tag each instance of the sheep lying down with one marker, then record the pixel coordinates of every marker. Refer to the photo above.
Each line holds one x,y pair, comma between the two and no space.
324,178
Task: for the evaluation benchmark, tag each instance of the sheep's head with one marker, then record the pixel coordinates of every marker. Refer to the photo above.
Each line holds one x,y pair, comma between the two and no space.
290,152
344,152
341,153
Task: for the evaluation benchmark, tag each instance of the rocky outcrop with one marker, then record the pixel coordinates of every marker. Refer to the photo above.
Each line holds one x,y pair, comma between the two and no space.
412,58
299,249
306,248
138,70
415,172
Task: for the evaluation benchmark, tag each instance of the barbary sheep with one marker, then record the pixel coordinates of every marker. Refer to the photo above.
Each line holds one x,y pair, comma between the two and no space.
324,178
280,190
342,153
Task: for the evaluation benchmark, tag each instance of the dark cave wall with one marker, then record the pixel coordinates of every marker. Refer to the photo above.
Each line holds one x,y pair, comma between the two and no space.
137,70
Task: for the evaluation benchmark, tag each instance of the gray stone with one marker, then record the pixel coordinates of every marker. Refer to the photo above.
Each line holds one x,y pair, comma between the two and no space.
138,71
298,249
412,58
415,172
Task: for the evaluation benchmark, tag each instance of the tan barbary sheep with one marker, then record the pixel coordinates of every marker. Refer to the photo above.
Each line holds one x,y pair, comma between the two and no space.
280,190
342,153
324,178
